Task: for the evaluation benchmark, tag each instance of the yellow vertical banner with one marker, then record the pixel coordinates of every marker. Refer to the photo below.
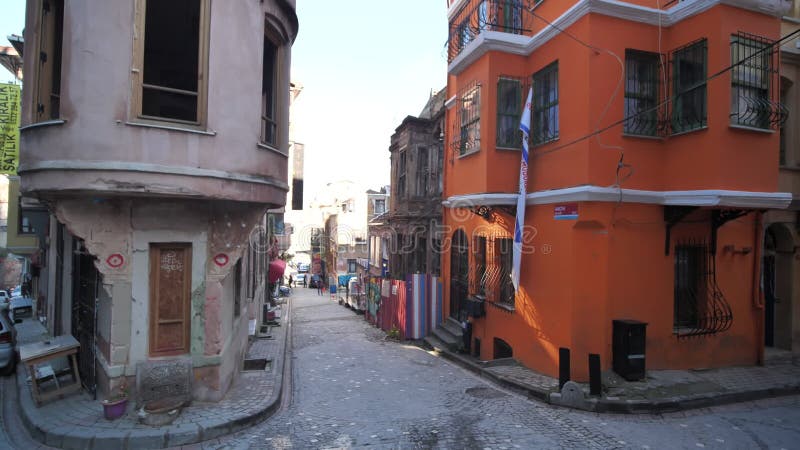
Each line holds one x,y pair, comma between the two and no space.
9,128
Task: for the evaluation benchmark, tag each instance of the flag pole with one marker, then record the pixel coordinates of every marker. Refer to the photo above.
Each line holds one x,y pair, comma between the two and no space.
524,126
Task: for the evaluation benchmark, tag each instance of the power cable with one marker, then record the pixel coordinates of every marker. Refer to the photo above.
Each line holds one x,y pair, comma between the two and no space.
665,101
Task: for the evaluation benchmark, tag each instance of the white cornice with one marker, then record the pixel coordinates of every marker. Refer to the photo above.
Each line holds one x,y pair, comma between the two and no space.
119,166
713,197
524,45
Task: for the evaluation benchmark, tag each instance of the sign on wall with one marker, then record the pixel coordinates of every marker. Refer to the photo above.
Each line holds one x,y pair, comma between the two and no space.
567,211
9,128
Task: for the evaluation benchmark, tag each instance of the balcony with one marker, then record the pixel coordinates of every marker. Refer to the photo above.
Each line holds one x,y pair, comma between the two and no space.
477,16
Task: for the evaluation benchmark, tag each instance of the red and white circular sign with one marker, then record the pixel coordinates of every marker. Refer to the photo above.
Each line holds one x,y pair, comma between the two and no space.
221,259
115,260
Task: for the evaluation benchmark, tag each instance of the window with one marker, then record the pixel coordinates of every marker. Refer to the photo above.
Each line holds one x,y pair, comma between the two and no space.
422,171
509,110
786,85
480,265
269,124
172,60
700,308
297,194
351,266
545,105
689,287
505,252
380,206
401,175
642,72
750,81
25,225
48,86
511,16
689,84
470,121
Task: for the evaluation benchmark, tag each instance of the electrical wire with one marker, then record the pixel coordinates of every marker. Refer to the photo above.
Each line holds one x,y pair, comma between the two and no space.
665,101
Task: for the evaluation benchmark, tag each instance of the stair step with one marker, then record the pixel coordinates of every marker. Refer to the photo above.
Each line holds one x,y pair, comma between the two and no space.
452,327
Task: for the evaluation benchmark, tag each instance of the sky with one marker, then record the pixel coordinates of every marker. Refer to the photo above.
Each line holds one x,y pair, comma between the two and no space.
364,65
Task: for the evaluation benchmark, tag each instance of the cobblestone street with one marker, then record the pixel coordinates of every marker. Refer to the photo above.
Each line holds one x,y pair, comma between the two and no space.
352,388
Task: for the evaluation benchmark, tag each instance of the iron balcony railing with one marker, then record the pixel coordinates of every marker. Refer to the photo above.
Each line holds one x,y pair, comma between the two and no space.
477,16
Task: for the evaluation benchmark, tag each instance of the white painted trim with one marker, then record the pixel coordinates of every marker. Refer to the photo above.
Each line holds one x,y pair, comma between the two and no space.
712,197
450,102
122,166
523,45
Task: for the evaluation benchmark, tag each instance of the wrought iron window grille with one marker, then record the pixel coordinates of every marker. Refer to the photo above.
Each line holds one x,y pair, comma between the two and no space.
507,16
643,91
466,136
754,82
479,267
544,117
511,95
700,308
688,73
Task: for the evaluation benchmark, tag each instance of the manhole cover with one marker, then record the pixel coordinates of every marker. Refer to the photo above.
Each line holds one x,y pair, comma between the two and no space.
484,392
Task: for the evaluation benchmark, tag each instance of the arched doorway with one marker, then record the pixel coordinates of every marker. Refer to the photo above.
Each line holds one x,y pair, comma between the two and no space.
777,273
459,273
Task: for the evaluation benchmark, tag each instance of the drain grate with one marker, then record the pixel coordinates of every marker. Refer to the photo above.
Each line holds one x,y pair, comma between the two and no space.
484,392
256,364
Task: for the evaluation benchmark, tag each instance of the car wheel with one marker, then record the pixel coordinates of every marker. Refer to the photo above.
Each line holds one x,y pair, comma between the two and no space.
9,369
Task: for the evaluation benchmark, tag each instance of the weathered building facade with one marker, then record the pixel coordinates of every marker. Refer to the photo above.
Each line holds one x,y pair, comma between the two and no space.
411,225
158,170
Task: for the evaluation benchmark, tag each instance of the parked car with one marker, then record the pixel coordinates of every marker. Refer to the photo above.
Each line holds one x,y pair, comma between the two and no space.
299,278
4,297
8,342
315,280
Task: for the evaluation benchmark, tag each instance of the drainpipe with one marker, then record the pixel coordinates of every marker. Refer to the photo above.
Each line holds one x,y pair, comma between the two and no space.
756,291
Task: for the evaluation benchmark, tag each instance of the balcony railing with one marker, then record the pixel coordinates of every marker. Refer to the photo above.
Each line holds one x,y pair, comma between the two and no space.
477,16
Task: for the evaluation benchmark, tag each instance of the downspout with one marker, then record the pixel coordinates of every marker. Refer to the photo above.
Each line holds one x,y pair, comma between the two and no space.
757,293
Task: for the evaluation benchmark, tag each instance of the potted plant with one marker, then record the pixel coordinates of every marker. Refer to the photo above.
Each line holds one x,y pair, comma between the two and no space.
116,404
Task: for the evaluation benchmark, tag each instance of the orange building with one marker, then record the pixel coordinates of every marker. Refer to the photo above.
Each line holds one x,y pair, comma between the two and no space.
653,154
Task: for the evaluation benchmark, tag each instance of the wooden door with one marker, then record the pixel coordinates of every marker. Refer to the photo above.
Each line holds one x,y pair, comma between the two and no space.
170,298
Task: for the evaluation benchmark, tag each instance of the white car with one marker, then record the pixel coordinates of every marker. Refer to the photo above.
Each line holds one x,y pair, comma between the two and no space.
4,297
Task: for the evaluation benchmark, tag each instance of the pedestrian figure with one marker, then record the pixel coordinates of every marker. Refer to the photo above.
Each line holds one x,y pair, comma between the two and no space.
305,282
291,281
319,287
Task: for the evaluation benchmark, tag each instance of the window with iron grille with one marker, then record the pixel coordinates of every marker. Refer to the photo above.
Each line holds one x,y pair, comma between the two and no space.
470,112
642,74
480,265
751,57
689,68
785,86
504,250
700,308
509,109
545,105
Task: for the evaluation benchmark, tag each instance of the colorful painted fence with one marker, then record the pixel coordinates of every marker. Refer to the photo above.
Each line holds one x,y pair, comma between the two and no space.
413,306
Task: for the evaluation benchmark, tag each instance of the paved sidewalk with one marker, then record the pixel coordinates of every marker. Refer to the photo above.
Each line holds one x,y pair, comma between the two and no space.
662,391
77,422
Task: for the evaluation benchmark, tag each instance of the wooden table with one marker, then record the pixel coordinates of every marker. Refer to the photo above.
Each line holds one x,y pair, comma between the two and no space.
40,352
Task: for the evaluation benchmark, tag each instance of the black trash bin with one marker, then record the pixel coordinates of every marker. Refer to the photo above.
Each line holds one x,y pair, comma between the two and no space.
628,348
